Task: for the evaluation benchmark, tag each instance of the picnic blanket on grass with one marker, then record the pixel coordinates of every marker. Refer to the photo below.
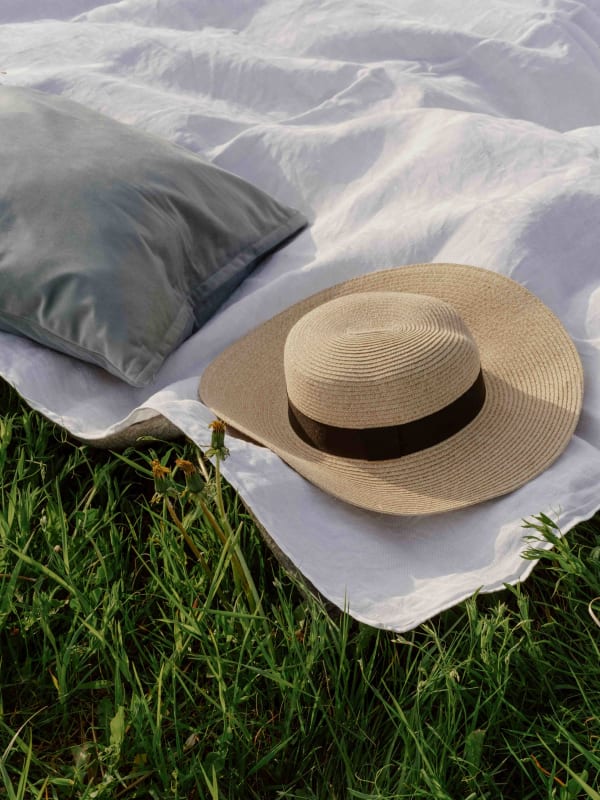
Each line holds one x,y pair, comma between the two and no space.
433,131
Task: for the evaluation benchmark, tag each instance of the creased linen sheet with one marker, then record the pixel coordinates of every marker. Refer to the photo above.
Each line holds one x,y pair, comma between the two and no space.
432,131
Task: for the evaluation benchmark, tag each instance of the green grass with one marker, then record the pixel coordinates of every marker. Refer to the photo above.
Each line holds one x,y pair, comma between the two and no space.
131,669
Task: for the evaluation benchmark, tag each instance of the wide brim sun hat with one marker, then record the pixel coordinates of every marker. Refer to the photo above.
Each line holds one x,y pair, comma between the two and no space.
412,390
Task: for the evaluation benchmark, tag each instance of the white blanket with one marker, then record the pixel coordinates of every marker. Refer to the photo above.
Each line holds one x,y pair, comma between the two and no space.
408,131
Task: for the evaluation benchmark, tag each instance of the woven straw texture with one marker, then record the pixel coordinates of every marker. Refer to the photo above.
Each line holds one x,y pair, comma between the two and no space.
533,378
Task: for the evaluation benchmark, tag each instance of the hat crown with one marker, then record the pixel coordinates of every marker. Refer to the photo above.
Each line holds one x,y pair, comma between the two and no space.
373,359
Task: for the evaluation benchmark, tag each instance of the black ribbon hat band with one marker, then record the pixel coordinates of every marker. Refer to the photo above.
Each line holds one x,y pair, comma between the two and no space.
391,441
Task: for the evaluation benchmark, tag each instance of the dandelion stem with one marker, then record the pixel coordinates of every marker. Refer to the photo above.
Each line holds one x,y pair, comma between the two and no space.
188,539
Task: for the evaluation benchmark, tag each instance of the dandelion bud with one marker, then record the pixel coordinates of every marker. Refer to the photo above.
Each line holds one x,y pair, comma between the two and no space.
193,480
218,428
217,439
160,475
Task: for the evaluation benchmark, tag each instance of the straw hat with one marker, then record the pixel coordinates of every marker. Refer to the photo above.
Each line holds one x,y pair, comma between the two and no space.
407,391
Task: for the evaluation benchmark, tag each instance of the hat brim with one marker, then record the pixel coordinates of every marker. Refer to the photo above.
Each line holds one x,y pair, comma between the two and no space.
534,383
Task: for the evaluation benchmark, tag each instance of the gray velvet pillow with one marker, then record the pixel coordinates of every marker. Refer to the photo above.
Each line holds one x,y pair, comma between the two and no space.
115,245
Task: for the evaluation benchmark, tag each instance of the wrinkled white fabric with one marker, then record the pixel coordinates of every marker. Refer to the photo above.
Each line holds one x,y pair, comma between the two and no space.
408,131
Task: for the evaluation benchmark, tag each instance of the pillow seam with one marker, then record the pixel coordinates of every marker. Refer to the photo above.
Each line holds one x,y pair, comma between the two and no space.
139,375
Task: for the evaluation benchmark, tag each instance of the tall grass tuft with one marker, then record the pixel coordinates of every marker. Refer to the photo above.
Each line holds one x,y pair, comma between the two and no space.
151,646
